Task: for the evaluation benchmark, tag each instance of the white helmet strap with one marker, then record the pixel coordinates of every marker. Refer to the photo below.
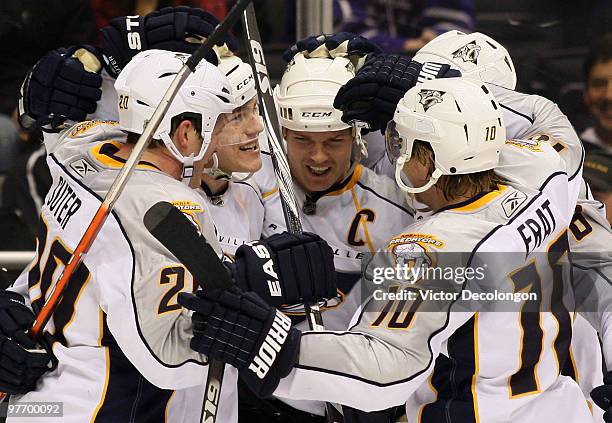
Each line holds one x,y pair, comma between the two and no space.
187,161
399,166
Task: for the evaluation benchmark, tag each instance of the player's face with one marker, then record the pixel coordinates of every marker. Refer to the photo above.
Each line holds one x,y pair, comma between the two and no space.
318,160
237,142
598,95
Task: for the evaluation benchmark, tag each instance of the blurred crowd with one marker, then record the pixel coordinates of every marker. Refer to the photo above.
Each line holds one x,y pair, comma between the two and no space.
561,51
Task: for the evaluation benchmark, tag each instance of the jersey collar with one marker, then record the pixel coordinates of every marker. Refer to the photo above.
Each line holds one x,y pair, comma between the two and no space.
476,202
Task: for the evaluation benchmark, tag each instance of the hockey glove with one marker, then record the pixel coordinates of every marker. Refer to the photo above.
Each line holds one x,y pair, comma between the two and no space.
64,84
602,396
342,44
180,29
22,362
287,269
372,95
240,329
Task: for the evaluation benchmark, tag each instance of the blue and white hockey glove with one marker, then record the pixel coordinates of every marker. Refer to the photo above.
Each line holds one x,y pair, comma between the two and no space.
372,95
287,269
64,84
179,29
602,396
336,45
22,362
240,329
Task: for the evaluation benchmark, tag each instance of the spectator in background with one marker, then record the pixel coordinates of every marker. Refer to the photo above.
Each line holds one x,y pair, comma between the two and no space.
403,25
28,29
105,10
597,172
598,95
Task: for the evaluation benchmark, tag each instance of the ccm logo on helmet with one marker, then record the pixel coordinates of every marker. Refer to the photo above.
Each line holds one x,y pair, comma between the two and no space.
316,114
271,346
244,83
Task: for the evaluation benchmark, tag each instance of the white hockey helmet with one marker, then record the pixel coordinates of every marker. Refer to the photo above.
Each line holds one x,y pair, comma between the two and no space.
240,76
143,82
306,92
458,117
476,55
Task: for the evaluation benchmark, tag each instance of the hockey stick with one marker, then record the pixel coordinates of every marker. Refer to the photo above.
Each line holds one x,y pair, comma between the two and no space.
271,123
175,232
279,160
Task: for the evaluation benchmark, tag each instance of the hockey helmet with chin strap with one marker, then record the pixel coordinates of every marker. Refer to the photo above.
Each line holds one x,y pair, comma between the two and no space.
475,55
141,85
458,117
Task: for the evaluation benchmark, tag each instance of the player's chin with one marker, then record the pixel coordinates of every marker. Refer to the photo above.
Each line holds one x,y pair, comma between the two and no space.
319,178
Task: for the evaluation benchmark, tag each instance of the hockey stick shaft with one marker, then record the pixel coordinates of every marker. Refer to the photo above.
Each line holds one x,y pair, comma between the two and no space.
274,136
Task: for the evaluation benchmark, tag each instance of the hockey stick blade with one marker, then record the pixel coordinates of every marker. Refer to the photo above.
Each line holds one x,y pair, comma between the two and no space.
179,235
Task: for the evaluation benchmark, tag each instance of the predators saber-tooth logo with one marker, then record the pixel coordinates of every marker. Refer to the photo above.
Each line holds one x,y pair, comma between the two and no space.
430,97
468,53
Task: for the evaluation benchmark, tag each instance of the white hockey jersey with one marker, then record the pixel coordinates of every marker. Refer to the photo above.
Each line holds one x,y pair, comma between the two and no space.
121,339
238,214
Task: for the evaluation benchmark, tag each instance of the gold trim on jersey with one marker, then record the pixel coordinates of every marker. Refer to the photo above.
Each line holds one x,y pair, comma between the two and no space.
434,390
363,221
269,193
476,368
350,184
168,406
74,309
112,161
482,201
105,389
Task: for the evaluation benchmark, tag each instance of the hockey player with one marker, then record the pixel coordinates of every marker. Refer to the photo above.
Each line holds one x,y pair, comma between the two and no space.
350,206
479,56
449,149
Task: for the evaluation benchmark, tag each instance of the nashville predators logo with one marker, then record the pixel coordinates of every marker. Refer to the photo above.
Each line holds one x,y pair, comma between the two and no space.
430,97
468,53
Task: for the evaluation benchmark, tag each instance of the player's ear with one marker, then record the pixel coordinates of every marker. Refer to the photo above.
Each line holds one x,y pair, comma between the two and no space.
182,135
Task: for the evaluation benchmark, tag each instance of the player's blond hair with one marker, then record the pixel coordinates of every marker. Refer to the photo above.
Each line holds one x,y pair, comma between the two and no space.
456,186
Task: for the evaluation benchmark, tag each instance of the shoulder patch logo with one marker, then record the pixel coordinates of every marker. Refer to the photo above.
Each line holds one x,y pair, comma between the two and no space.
424,240
532,144
468,53
82,167
512,202
430,97
83,127
189,208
